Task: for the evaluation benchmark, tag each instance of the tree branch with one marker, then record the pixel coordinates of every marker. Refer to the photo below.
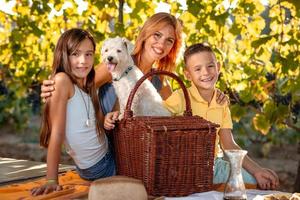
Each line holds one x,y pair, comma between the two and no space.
254,109
291,125
121,6
5,13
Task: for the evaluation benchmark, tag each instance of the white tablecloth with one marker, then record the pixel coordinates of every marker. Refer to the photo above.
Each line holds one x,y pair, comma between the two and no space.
214,195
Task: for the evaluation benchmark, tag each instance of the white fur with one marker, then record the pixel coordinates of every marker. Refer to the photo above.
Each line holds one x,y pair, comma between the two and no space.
147,102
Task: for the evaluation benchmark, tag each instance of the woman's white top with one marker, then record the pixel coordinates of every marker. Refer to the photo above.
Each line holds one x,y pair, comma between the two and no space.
82,141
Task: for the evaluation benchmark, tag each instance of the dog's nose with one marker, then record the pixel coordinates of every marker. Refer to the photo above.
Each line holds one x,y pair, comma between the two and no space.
110,58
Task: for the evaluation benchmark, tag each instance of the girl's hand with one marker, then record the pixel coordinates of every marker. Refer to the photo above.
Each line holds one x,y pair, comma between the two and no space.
45,189
110,120
47,88
266,179
222,98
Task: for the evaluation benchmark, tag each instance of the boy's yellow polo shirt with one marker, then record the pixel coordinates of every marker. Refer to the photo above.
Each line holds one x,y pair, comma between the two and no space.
219,114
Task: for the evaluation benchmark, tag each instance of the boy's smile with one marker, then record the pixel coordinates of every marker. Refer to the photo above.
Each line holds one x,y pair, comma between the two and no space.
203,69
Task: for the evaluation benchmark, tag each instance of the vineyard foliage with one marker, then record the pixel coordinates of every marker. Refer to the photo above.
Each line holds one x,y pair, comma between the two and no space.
258,45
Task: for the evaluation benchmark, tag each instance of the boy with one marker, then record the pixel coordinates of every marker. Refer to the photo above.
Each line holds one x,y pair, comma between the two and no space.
202,69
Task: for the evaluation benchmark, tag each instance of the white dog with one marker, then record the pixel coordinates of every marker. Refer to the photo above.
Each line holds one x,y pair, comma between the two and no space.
116,53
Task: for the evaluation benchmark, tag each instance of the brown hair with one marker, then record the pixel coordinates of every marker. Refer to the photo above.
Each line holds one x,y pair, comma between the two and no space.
66,45
196,48
153,24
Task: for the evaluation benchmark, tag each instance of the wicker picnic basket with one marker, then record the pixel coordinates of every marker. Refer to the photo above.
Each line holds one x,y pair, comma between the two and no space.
173,156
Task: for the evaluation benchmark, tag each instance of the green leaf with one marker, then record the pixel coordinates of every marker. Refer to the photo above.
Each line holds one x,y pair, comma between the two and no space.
261,40
235,29
261,123
221,19
296,3
36,31
249,8
58,5
237,112
246,96
270,111
194,7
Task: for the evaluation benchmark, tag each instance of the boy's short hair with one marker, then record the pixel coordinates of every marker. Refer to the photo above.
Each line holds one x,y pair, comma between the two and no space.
196,48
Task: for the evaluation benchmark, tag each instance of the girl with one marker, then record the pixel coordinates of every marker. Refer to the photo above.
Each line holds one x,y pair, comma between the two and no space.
157,45
72,116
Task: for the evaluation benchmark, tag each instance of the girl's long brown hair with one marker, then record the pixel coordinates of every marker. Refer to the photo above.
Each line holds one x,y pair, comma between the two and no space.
66,45
153,24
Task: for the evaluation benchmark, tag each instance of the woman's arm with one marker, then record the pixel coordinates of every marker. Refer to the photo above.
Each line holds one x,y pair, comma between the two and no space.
102,75
57,115
165,91
266,178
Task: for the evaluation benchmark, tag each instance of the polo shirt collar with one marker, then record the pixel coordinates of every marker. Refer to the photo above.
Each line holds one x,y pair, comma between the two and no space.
195,95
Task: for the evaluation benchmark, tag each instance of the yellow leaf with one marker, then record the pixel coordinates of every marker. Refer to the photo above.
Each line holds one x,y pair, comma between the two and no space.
261,124
274,11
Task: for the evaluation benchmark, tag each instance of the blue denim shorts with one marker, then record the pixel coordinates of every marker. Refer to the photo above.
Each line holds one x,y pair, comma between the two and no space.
222,170
104,168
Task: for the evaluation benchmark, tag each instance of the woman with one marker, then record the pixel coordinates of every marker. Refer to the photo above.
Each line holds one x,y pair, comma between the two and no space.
157,45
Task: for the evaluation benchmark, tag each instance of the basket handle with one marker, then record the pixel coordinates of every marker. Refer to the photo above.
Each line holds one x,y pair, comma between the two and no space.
188,110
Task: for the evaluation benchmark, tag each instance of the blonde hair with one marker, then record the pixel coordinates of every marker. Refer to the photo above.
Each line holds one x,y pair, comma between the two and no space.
153,24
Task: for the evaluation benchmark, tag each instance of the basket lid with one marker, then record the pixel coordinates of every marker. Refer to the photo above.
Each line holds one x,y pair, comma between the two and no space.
171,123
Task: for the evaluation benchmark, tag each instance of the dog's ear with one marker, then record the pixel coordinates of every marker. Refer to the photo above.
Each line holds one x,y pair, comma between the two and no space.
128,45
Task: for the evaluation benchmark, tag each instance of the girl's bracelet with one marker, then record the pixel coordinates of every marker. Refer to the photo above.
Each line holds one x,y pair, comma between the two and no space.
51,181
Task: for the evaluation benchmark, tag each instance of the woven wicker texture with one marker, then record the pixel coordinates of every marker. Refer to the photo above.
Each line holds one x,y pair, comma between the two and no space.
173,156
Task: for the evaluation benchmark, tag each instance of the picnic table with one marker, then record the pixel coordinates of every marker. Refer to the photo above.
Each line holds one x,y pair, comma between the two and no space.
14,170
17,177
252,194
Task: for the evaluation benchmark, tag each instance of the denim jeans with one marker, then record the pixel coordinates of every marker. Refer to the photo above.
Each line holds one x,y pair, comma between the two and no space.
104,168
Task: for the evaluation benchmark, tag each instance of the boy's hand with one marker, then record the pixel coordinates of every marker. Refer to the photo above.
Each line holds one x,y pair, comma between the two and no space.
45,189
266,179
47,88
110,120
222,98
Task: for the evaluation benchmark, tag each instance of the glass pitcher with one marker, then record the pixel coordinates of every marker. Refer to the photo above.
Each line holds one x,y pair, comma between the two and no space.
235,187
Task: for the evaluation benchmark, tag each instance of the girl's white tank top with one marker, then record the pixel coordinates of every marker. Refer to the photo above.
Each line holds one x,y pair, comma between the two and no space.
81,141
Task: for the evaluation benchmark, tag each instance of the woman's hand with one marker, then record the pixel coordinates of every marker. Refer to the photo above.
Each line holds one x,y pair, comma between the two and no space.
110,120
222,98
45,189
266,179
46,89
